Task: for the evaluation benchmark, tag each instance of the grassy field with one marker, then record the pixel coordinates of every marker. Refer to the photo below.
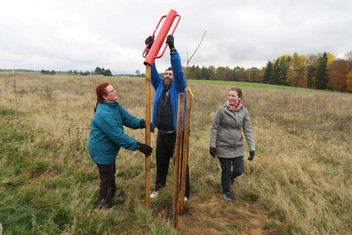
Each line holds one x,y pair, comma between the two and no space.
298,183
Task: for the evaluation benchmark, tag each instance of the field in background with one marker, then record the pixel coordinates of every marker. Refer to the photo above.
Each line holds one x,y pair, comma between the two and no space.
298,183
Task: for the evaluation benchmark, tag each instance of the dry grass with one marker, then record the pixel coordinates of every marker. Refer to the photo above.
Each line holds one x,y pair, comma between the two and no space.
298,183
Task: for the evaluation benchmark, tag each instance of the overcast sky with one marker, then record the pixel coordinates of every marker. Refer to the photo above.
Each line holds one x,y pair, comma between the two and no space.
64,35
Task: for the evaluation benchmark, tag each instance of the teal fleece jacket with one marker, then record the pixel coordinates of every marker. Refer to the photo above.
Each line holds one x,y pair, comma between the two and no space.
107,134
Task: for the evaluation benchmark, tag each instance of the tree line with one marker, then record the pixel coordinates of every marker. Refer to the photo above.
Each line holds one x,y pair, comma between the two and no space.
321,71
97,71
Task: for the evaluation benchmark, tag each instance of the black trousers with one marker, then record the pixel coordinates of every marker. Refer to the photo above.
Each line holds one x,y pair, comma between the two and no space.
230,169
165,146
107,187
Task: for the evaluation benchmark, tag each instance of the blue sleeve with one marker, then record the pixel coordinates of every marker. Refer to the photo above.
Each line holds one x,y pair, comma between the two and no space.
179,77
155,77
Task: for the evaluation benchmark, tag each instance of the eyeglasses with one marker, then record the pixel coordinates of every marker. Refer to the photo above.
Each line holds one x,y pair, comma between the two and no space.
113,90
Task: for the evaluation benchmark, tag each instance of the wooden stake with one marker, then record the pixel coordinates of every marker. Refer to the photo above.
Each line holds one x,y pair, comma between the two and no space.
178,153
147,132
185,152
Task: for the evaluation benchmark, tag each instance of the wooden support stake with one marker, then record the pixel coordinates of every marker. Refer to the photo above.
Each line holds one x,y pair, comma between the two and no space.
185,150
178,153
147,132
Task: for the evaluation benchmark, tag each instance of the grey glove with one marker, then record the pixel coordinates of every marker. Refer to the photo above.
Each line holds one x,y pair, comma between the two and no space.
251,155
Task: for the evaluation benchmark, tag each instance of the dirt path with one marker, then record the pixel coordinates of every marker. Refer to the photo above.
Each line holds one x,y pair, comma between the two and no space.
215,216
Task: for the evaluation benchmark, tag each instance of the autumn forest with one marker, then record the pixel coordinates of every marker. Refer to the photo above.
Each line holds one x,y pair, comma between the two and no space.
320,71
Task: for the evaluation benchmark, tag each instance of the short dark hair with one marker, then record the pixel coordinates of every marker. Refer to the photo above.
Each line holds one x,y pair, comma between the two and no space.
238,90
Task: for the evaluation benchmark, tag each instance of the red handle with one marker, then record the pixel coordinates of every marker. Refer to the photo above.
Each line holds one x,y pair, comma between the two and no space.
160,37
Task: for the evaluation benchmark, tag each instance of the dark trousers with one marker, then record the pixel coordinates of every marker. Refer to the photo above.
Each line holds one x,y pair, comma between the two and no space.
107,187
230,169
165,146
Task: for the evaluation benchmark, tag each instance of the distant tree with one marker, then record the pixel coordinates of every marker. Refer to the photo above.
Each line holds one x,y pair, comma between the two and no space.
204,75
337,75
331,58
193,72
297,71
86,73
284,65
349,59
254,74
107,73
349,82
274,76
311,70
220,73
228,74
102,71
239,74
211,72
52,72
322,72
268,72
98,71
138,72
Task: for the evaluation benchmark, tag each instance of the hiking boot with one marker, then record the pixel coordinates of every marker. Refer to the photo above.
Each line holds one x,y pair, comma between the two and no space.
119,198
154,194
104,205
227,197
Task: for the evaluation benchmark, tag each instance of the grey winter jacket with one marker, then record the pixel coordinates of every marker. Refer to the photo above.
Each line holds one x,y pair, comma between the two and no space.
226,132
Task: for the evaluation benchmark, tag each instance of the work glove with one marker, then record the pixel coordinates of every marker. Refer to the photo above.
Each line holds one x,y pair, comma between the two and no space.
142,124
149,41
251,155
170,42
146,149
212,152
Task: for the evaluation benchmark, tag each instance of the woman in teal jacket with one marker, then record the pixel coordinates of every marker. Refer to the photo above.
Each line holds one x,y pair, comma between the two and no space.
107,136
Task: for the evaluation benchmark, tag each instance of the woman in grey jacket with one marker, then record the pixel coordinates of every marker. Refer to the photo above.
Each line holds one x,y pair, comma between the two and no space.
231,122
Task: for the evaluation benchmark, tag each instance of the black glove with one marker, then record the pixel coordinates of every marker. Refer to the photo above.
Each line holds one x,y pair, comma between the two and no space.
251,155
170,42
146,149
212,152
142,123
149,41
